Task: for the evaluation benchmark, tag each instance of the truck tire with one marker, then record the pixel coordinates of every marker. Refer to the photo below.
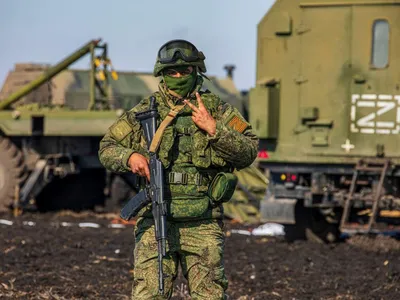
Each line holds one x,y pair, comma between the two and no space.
319,229
12,170
312,225
297,231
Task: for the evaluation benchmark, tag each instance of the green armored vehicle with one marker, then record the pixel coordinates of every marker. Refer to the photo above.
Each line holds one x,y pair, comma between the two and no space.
51,122
326,107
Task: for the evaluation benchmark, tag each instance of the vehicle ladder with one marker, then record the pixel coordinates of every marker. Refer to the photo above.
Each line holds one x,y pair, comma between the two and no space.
371,166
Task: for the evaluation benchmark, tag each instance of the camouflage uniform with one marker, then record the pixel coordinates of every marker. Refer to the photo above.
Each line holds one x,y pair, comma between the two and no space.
191,159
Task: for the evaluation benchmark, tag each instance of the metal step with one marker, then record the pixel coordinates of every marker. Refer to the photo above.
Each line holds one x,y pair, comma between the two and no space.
369,169
354,228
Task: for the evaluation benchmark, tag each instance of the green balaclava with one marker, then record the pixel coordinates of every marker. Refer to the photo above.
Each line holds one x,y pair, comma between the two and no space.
181,85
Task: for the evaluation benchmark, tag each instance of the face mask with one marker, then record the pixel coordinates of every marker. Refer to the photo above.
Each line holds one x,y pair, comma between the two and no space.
181,85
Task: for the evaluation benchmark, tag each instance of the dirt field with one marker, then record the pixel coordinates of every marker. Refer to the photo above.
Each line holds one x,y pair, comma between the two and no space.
47,259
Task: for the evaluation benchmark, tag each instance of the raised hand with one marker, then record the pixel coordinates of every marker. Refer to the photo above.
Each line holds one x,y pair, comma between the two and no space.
201,117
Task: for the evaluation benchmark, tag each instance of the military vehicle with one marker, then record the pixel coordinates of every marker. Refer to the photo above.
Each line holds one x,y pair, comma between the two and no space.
51,122
326,106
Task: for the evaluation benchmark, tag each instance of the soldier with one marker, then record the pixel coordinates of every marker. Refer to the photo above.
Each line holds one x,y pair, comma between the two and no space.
199,150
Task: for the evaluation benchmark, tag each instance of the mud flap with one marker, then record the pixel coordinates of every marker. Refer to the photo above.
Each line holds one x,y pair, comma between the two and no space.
278,211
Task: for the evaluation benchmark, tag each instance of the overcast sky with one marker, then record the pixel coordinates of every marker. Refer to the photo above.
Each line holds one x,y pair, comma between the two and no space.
45,31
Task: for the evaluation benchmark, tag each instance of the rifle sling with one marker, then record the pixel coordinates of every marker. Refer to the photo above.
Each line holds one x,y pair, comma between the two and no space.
155,143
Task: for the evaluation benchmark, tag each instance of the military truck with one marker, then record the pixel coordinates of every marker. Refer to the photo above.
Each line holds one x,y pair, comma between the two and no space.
51,122
326,106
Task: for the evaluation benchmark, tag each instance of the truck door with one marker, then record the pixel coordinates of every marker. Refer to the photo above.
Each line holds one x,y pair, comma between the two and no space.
325,35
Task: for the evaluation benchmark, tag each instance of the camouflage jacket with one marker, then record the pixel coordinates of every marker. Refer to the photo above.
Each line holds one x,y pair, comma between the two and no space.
184,148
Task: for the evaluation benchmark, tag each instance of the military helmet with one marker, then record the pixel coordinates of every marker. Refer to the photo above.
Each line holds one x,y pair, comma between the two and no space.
178,53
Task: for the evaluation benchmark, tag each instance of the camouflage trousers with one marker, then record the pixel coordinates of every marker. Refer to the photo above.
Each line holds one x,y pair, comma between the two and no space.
196,245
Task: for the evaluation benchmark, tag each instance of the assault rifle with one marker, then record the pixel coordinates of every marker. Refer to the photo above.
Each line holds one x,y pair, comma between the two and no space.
154,191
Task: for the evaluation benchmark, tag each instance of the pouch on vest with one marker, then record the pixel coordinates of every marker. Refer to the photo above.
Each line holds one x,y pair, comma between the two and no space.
201,152
222,187
188,208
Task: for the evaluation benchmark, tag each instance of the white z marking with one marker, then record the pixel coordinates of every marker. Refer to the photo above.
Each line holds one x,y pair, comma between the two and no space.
380,105
386,106
367,121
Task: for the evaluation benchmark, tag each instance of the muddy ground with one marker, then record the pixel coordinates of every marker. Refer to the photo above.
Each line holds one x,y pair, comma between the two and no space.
47,259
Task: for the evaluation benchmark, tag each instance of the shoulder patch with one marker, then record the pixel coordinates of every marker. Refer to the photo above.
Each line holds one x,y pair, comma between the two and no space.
237,123
120,129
